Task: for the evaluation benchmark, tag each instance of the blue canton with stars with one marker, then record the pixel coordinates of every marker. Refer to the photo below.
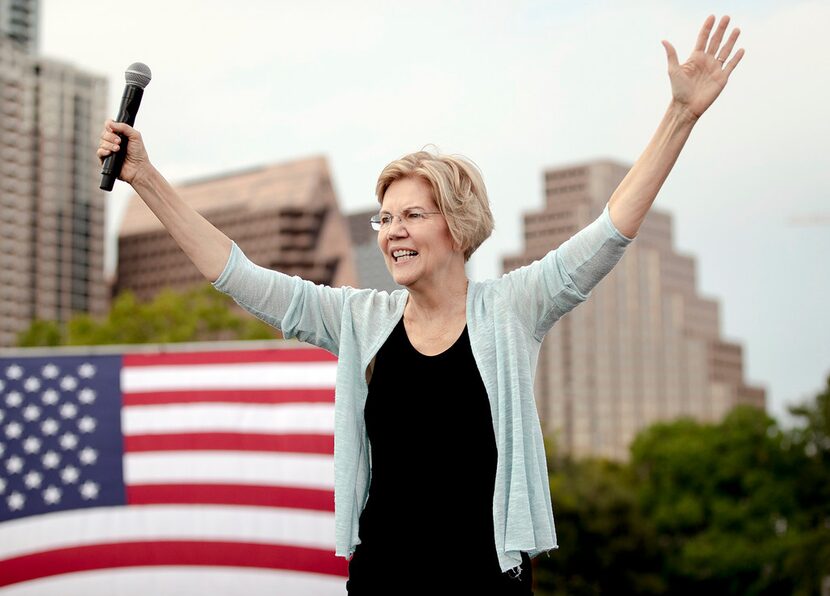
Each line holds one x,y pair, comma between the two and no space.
61,445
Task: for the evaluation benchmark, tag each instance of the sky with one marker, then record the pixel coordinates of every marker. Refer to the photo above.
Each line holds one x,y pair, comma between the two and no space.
517,86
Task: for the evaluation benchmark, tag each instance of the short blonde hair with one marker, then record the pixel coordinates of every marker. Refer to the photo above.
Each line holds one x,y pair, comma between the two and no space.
457,189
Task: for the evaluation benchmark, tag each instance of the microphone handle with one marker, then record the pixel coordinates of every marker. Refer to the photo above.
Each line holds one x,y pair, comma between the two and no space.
126,113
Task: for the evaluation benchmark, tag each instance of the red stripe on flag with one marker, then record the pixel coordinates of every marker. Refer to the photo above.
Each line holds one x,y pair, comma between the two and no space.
231,357
239,396
136,554
231,494
291,443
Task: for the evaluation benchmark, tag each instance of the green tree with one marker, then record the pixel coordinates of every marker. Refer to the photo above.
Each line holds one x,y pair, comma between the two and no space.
723,501
200,314
809,443
606,546
738,507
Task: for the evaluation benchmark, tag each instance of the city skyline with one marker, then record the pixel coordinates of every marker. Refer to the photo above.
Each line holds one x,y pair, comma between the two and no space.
52,221
521,88
645,346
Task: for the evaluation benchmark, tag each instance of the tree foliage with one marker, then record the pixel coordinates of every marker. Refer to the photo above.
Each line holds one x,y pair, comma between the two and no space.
200,314
738,507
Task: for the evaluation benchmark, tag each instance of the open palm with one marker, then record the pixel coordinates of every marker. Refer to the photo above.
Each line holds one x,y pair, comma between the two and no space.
697,82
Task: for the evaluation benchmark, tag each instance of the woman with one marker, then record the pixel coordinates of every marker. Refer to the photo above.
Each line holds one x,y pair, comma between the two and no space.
440,471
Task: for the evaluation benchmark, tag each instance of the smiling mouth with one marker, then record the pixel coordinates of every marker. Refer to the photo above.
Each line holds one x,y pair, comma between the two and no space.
404,255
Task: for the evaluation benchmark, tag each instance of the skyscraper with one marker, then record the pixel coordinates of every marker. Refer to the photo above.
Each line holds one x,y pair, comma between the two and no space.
19,22
283,216
51,211
645,346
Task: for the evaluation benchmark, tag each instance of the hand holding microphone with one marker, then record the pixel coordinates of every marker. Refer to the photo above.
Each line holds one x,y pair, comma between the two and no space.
121,149
134,155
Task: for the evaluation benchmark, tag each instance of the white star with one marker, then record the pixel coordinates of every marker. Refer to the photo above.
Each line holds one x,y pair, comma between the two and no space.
69,410
16,501
2,415
14,399
50,371
50,397
13,430
86,396
52,495
31,412
14,372
14,464
68,441
50,460
49,427
86,424
89,490
88,456
70,475
86,370
31,384
33,479
69,383
31,445
2,485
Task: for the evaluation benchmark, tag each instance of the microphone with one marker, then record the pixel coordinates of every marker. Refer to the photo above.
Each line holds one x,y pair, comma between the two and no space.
138,76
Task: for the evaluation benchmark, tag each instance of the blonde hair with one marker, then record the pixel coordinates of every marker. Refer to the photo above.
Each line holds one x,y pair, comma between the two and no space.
457,189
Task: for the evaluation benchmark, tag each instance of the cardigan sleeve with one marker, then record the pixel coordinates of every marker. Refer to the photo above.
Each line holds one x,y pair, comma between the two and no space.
542,292
299,308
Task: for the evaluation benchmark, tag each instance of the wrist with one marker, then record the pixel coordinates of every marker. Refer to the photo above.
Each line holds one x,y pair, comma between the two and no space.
682,114
143,176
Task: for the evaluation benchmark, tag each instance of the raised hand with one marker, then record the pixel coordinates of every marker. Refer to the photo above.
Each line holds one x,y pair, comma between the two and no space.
697,82
136,160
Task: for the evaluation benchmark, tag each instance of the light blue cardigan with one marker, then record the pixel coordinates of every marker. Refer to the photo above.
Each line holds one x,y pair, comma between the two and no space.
507,319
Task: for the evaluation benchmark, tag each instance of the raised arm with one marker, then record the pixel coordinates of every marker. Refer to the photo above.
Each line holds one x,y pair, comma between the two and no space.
695,86
203,243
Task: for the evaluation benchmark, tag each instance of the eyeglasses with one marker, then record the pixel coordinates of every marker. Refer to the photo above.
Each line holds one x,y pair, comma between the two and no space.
410,217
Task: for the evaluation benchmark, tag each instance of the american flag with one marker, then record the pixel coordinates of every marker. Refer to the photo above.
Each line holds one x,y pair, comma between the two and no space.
168,473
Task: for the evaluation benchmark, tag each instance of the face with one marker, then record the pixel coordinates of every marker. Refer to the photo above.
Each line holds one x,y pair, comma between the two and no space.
437,256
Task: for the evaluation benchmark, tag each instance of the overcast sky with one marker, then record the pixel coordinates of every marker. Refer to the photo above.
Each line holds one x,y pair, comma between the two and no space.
517,86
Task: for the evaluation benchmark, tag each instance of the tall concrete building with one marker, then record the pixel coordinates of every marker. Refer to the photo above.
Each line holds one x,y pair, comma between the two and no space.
51,211
645,347
19,22
371,267
283,216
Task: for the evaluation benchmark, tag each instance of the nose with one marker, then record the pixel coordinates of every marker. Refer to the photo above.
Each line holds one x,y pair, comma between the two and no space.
396,227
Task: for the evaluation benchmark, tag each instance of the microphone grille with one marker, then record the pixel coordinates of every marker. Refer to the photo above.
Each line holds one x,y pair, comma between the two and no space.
138,74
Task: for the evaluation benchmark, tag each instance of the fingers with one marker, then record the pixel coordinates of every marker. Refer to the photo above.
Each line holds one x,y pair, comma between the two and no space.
121,127
704,33
109,141
717,38
730,66
671,54
112,133
714,43
730,43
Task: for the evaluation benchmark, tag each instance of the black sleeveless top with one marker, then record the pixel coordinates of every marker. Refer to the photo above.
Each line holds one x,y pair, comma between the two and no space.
433,458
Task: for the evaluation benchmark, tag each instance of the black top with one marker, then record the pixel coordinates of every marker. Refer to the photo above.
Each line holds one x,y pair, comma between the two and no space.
433,456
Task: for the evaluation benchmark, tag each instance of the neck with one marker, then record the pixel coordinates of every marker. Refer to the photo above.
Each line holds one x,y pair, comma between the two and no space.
437,301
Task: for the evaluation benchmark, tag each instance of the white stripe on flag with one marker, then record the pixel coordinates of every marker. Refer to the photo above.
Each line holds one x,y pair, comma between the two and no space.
307,470
175,581
218,417
289,375
66,529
